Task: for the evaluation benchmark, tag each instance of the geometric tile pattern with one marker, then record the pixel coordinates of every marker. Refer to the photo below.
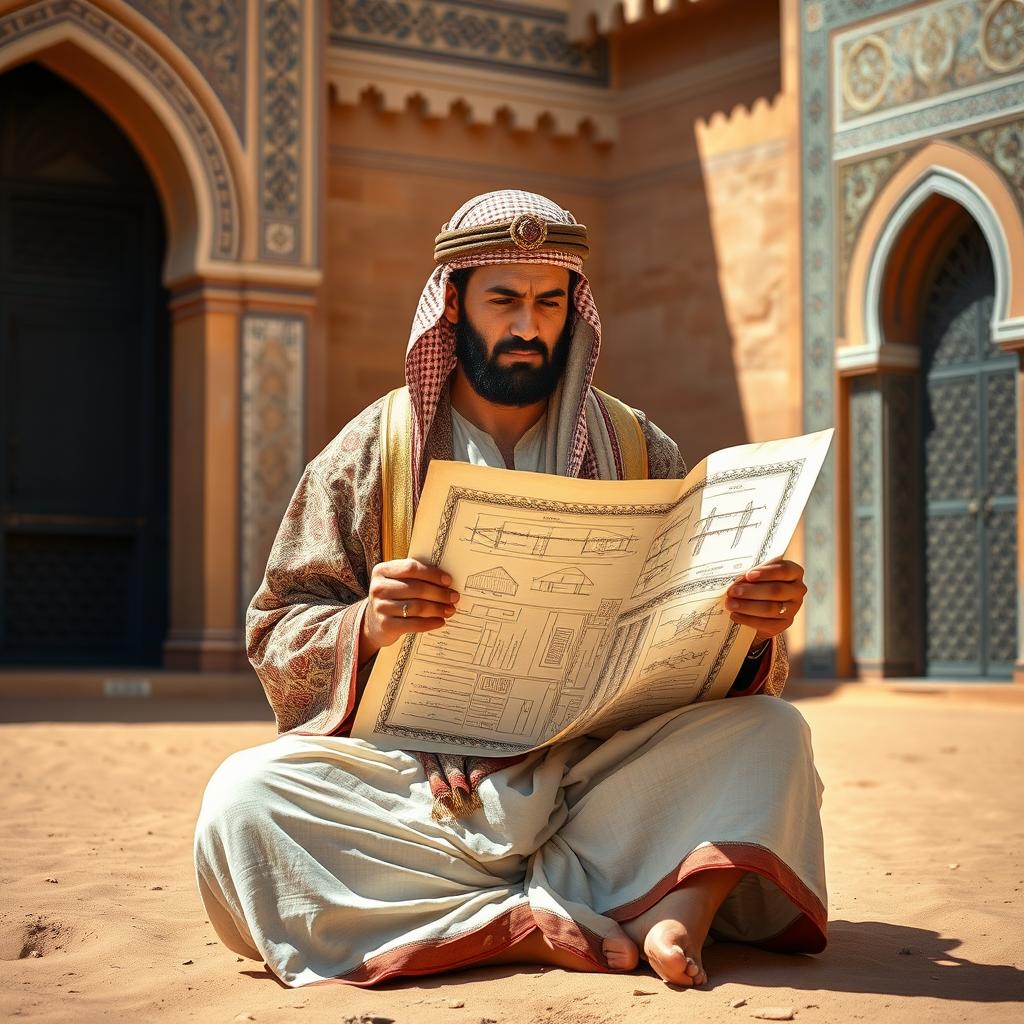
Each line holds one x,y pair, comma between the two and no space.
273,366
1001,442
951,436
492,34
865,434
281,116
1001,563
903,513
953,606
213,34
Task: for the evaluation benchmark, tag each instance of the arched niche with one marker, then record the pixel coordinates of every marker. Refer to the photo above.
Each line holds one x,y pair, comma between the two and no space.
907,234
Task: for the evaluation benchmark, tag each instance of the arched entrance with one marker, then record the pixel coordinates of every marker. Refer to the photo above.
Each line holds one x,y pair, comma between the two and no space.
969,469
84,384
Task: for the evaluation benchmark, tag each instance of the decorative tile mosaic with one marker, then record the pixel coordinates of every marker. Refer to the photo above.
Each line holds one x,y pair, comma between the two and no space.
281,112
820,18
114,35
944,115
488,33
917,56
213,34
273,366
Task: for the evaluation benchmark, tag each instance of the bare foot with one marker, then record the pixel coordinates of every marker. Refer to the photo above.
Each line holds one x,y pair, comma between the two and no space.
672,932
673,954
620,951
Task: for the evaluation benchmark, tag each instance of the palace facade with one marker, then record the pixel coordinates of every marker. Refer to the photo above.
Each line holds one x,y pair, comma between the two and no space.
216,217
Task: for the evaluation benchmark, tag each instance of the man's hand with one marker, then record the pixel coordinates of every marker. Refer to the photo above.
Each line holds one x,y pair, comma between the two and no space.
406,596
767,597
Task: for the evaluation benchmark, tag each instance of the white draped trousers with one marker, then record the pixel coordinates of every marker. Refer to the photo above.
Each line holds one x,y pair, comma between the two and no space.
318,854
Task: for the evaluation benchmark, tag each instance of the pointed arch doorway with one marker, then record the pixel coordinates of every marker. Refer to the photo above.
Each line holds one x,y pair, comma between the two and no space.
84,384
968,465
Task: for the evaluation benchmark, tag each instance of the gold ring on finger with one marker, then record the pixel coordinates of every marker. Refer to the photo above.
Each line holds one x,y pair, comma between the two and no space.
405,610
782,609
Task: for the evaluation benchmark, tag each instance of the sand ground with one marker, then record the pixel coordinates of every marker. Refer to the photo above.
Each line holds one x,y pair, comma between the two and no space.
924,830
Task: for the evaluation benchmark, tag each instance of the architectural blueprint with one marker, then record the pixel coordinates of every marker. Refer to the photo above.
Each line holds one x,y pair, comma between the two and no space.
585,605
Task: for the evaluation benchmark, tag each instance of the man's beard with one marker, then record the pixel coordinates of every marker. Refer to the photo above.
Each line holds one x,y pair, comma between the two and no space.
517,384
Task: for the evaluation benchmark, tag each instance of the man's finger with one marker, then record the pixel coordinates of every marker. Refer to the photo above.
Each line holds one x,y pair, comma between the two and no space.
761,609
413,569
409,590
766,627
782,570
401,625
761,591
415,610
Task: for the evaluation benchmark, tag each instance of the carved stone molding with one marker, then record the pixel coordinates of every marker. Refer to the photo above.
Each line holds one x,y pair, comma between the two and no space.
522,39
213,34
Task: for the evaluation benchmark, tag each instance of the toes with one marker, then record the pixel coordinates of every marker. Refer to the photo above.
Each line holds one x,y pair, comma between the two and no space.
620,951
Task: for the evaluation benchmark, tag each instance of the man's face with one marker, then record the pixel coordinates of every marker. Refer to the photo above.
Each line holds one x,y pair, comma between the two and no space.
513,331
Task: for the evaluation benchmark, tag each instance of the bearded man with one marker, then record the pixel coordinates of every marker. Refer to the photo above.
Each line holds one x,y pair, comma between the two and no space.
332,859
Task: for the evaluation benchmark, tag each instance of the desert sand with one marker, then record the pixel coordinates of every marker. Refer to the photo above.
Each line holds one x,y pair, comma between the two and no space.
924,827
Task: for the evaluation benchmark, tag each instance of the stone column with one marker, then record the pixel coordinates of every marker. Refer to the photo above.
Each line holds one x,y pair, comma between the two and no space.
204,630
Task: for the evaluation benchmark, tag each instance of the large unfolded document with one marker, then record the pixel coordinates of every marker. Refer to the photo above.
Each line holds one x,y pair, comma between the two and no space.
586,605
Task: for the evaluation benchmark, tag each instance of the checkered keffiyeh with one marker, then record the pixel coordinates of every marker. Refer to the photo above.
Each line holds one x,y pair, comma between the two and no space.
429,360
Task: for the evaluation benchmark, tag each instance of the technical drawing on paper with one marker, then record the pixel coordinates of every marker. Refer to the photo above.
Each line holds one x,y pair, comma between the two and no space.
495,580
695,625
570,580
481,635
662,554
606,612
708,526
555,541
682,660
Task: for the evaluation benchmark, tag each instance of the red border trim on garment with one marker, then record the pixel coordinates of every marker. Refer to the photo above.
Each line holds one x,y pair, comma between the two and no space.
807,933
463,951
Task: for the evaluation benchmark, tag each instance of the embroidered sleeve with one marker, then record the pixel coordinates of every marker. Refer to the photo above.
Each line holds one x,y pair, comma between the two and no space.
303,624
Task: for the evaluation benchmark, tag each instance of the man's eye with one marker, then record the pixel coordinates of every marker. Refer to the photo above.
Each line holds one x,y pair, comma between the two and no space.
550,303
501,302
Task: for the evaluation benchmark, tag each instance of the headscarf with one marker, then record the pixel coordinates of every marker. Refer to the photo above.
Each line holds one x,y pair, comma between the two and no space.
430,356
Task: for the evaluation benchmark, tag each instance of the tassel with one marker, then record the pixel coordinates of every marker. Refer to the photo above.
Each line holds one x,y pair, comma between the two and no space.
454,805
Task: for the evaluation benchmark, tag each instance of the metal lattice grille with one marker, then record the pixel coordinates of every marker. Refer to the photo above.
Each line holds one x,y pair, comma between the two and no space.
970,472
68,595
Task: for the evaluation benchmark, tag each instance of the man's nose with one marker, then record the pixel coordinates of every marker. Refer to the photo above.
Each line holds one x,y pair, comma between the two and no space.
524,324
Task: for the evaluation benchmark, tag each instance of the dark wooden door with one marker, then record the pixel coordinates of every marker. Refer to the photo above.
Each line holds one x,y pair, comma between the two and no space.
970,473
83,385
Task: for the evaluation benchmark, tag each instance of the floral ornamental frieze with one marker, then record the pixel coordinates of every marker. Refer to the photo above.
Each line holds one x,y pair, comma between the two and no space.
213,34
924,54
490,34
281,24
20,24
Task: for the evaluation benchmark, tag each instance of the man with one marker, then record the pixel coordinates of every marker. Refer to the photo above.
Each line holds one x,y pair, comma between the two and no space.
332,859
